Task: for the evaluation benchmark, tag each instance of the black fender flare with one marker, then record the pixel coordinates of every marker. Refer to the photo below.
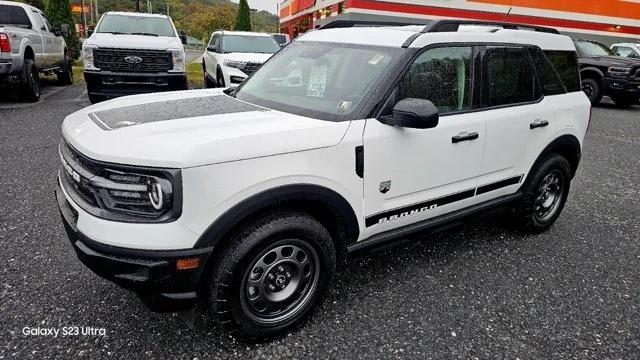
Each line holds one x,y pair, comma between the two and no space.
591,69
224,224
566,145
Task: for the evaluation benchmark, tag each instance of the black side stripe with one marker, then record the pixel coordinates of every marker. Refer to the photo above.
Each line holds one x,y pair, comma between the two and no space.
418,208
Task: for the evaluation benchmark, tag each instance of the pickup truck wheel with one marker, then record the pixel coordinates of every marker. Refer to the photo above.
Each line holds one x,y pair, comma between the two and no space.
591,87
272,276
545,194
30,79
65,76
624,102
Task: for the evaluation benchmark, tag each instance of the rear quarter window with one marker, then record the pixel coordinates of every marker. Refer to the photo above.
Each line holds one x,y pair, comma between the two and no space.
14,16
566,64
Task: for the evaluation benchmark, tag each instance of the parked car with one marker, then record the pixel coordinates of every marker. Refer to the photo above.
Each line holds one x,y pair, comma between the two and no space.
281,39
606,74
248,198
232,56
133,53
30,46
631,50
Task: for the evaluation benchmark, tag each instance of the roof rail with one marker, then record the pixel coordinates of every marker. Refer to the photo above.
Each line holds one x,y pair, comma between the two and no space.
363,23
453,25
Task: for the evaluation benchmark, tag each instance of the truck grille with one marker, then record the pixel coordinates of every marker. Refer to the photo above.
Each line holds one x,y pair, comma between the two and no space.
148,61
251,67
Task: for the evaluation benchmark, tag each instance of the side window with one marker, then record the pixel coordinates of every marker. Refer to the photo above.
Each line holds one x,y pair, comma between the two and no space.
625,51
46,22
549,80
215,41
441,75
39,23
508,77
566,64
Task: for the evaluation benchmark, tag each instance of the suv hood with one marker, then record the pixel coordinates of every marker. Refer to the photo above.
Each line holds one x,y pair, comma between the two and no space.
134,41
191,128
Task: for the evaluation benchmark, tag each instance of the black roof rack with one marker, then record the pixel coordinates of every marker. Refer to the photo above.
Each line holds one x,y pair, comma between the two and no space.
438,25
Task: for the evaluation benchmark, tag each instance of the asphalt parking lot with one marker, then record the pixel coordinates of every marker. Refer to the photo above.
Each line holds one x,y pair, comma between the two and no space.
478,291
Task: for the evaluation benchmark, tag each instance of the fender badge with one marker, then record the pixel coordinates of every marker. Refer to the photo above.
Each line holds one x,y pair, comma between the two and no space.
385,186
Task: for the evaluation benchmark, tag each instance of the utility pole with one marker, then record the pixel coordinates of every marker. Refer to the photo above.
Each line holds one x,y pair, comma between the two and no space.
97,14
168,9
137,5
149,6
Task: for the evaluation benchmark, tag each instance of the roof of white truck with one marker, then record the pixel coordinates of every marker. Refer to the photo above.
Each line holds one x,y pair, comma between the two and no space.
129,13
398,36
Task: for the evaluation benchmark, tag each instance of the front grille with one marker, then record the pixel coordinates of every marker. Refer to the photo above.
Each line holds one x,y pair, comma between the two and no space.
251,67
151,60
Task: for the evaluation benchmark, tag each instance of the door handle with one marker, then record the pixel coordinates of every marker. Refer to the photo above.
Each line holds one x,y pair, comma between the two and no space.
538,124
464,136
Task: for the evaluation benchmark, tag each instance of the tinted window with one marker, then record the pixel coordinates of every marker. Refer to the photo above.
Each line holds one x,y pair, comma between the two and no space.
442,76
549,80
566,64
281,39
508,77
14,15
592,48
249,44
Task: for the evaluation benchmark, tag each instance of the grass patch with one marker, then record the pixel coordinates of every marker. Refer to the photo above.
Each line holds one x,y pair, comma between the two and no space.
195,77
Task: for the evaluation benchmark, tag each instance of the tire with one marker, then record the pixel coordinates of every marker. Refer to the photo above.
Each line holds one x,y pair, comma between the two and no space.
624,102
545,194
592,88
219,78
287,259
65,76
30,81
94,99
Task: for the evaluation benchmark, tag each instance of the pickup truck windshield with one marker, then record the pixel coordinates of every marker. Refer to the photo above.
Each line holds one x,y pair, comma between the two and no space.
321,80
249,44
136,25
14,16
589,48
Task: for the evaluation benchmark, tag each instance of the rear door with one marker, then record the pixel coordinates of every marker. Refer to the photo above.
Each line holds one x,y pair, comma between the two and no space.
520,119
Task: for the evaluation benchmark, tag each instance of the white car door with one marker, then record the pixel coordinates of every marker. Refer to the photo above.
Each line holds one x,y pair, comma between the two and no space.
48,39
414,174
520,120
210,56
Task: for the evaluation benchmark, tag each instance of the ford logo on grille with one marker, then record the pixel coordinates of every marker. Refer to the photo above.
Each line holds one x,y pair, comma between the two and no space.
133,59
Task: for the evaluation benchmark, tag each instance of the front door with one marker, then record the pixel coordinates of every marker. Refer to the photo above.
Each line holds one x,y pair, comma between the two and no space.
415,174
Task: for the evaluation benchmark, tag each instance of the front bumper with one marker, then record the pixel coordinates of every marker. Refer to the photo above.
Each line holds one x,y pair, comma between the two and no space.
112,84
622,87
151,274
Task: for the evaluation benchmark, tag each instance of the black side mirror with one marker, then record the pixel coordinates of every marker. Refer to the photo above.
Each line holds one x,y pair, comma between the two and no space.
212,48
413,113
64,30
183,37
89,32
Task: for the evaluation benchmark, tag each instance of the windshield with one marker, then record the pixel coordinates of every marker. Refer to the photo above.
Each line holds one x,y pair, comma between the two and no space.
14,15
136,25
281,39
249,44
593,49
321,80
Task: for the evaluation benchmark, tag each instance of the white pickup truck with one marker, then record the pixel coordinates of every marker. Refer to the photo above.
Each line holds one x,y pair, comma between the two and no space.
29,45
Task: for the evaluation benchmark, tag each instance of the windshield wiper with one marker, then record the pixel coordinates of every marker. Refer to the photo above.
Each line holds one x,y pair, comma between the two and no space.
112,32
144,33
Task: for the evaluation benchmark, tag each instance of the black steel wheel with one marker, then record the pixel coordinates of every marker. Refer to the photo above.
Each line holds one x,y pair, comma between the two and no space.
272,276
591,87
548,196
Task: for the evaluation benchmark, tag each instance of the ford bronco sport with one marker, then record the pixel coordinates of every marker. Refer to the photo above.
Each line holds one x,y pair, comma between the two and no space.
245,200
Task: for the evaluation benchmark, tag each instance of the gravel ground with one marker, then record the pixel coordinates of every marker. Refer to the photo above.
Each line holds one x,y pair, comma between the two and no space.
477,291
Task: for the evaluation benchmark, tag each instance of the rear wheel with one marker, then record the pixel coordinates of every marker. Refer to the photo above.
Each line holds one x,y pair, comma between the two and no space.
592,88
272,276
30,80
65,75
545,194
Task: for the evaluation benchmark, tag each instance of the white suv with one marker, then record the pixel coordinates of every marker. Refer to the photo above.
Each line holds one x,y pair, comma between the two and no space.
631,50
347,139
232,56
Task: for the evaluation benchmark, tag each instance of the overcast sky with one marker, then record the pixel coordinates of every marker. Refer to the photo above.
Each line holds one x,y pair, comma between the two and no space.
269,5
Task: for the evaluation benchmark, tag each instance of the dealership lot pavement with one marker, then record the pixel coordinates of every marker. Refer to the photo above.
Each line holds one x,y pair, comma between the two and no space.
481,290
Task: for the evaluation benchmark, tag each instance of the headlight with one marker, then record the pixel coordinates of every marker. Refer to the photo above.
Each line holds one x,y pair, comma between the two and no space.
618,71
87,57
178,59
235,64
119,192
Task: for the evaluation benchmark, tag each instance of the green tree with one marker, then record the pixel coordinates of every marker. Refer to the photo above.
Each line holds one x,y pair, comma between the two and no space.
59,12
243,20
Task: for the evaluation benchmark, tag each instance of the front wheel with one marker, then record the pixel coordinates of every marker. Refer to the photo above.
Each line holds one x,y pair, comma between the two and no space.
591,88
220,79
545,194
272,276
30,79
65,75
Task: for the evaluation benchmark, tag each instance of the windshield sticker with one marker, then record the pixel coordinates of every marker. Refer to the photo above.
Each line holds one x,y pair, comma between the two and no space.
317,81
344,106
376,59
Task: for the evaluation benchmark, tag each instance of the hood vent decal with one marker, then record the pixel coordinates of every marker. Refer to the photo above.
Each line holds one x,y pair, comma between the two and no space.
113,119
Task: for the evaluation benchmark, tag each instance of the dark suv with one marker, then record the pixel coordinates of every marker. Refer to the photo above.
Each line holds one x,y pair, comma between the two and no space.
606,74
